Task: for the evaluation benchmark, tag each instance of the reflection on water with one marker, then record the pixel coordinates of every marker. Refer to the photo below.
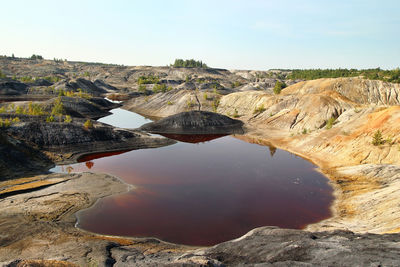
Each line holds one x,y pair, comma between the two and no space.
203,194
193,138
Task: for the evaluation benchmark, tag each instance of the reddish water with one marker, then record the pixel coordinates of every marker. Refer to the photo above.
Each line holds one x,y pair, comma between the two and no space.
203,194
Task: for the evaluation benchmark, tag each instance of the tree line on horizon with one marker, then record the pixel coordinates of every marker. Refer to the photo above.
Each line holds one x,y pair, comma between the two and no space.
371,74
189,63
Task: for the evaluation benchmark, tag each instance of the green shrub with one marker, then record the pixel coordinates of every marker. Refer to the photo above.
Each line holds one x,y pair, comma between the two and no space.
259,109
67,119
236,84
157,88
19,110
169,103
5,123
205,96
58,107
88,124
278,87
50,118
190,103
236,114
36,57
150,79
35,109
215,105
377,139
61,92
330,122
142,88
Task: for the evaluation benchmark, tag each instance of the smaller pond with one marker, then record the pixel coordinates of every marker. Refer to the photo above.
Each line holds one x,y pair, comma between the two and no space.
203,193
125,119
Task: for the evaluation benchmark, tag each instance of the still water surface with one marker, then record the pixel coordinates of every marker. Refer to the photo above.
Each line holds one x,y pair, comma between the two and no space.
203,193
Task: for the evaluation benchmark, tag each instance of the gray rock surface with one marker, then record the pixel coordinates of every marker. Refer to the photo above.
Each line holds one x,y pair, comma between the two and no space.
10,87
195,122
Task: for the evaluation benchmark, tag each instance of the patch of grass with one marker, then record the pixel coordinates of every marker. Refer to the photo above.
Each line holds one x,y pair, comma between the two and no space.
190,103
330,122
205,96
305,131
88,124
79,94
169,103
236,114
259,109
142,88
58,107
50,118
215,105
236,84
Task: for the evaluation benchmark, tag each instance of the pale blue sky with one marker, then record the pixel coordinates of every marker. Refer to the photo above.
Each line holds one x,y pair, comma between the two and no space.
232,34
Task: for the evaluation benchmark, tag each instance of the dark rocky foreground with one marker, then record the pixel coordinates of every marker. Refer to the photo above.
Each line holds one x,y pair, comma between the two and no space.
195,122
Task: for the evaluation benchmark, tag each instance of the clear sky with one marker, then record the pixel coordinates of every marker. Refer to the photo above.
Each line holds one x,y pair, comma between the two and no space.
232,34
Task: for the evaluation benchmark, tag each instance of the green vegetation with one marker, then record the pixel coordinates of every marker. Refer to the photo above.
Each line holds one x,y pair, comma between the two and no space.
67,119
278,87
236,113
215,105
79,94
26,79
88,124
35,109
236,84
142,88
305,131
189,63
8,122
329,123
372,74
2,75
200,80
169,103
157,88
50,118
150,79
58,107
36,57
190,103
52,79
259,109
205,96
377,139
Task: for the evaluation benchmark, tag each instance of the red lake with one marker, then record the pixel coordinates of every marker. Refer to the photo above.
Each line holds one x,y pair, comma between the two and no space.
204,193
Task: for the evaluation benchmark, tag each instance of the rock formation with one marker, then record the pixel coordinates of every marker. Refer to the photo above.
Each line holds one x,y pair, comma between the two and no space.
195,122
